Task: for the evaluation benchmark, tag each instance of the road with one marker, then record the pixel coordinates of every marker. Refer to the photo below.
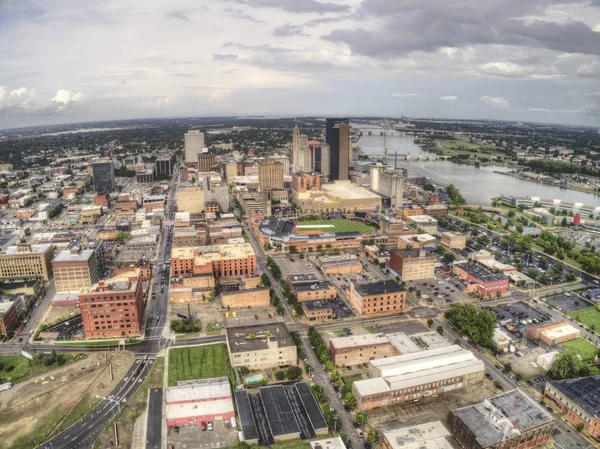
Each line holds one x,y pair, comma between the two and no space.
154,428
83,433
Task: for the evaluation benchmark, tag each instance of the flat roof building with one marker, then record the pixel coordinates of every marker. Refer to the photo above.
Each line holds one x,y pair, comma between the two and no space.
554,333
377,297
26,261
412,264
432,435
76,267
359,349
329,443
579,399
317,310
480,281
220,260
409,377
262,346
510,420
454,240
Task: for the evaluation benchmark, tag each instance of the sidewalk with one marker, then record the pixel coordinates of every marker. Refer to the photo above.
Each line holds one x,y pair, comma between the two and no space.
138,439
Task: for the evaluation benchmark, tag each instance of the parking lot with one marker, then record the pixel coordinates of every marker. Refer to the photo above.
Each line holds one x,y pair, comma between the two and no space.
515,318
567,302
193,437
440,290
69,329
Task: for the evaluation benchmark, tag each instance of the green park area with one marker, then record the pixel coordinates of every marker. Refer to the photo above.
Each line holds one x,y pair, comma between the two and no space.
589,316
333,226
582,347
198,362
16,368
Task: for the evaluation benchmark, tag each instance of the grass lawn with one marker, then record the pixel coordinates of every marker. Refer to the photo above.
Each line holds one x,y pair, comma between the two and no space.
580,346
15,368
588,316
334,226
198,362
348,381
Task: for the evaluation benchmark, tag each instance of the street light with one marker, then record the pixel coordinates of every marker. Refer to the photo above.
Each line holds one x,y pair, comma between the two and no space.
111,400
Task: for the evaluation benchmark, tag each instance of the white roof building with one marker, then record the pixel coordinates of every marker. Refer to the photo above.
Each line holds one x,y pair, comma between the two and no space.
432,435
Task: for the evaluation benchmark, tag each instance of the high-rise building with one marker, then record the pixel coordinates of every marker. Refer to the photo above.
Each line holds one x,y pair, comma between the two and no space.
113,307
325,167
295,148
337,136
412,264
285,161
216,191
76,268
163,166
233,169
301,155
206,161
26,262
190,199
194,143
270,175
103,172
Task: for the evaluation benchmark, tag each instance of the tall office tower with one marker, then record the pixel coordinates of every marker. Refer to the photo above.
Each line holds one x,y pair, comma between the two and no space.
305,156
337,136
270,175
325,160
284,160
163,166
295,148
103,172
206,161
76,267
194,142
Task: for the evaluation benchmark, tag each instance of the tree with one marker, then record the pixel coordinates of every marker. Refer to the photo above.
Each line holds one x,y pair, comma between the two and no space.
244,370
429,322
349,400
373,436
440,330
567,365
478,325
293,372
563,222
507,367
264,279
122,237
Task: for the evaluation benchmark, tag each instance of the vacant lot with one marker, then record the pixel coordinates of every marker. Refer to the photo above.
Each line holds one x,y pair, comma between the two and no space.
15,368
198,362
332,226
580,346
588,316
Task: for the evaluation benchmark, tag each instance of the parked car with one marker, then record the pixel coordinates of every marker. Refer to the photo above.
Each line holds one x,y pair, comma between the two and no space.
203,426
209,425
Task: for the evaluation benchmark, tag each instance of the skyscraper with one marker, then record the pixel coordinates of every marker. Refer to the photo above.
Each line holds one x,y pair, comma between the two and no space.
103,172
301,157
337,136
194,142
325,167
295,148
270,175
206,161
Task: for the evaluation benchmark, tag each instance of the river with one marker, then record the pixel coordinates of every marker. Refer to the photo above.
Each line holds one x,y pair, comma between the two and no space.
477,185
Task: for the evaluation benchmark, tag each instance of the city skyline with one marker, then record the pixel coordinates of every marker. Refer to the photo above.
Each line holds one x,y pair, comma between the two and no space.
536,61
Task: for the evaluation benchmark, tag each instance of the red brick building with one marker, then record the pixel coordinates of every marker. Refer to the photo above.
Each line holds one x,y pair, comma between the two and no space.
113,307
481,281
220,260
9,318
378,297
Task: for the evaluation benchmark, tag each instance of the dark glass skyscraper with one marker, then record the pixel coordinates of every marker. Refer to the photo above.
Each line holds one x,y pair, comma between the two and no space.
337,136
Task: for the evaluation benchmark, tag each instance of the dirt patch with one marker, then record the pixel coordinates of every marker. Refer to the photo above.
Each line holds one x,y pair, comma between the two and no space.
208,313
34,410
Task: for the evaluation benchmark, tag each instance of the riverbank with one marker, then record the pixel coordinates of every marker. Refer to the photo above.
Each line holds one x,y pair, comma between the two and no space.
547,182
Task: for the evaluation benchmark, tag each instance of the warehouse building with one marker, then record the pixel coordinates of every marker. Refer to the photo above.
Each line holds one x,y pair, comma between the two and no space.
359,349
341,264
196,401
509,421
579,400
260,347
409,377
432,435
554,334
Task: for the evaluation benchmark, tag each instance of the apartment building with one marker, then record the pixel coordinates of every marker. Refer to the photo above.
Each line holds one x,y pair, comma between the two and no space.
377,297
412,264
113,307
26,262
76,267
260,347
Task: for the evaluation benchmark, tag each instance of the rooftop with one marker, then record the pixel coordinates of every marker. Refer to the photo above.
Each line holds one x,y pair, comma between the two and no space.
317,304
197,390
212,253
26,249
347,190
482,273
403,343
562,331
302,278
423,436
502,417
422,219
258,338
69,255
329,443
584,391
359,340
121,283
379,288
306,286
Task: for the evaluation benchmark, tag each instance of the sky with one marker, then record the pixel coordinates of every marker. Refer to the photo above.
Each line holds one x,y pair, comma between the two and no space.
81,60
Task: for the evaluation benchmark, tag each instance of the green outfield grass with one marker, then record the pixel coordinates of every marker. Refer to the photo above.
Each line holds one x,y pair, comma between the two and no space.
334,226
588,316
580,346
198,362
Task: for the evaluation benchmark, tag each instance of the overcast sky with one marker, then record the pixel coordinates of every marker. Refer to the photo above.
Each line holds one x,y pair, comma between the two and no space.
79,60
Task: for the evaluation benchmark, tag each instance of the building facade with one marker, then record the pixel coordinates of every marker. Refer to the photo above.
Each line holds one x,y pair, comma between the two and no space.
206,162
113,307
270,176
76,268
317,310
453,240
103,172
359,349
377,298
337,136
260,347
190,199
26,262
194,143
243,299
219,260
412,264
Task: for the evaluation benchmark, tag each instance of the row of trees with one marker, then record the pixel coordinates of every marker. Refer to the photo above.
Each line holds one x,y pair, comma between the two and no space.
320,347
455,196
478,325
291,298
275,270
275,301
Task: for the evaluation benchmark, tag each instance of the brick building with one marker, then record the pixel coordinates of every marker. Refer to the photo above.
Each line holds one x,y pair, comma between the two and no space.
77,267
26,261
511,420
183,237
317,310
9,318
412,264
359,349
377,297
481,281
220,260
554,334
113,307
453,240
253,297
314,290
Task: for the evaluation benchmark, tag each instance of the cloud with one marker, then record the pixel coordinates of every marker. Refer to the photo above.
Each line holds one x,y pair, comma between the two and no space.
161,102
179,15
496,102
589,70
288,30
449,98
65,96
224,57
164,101
406,95
296,6
240,14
